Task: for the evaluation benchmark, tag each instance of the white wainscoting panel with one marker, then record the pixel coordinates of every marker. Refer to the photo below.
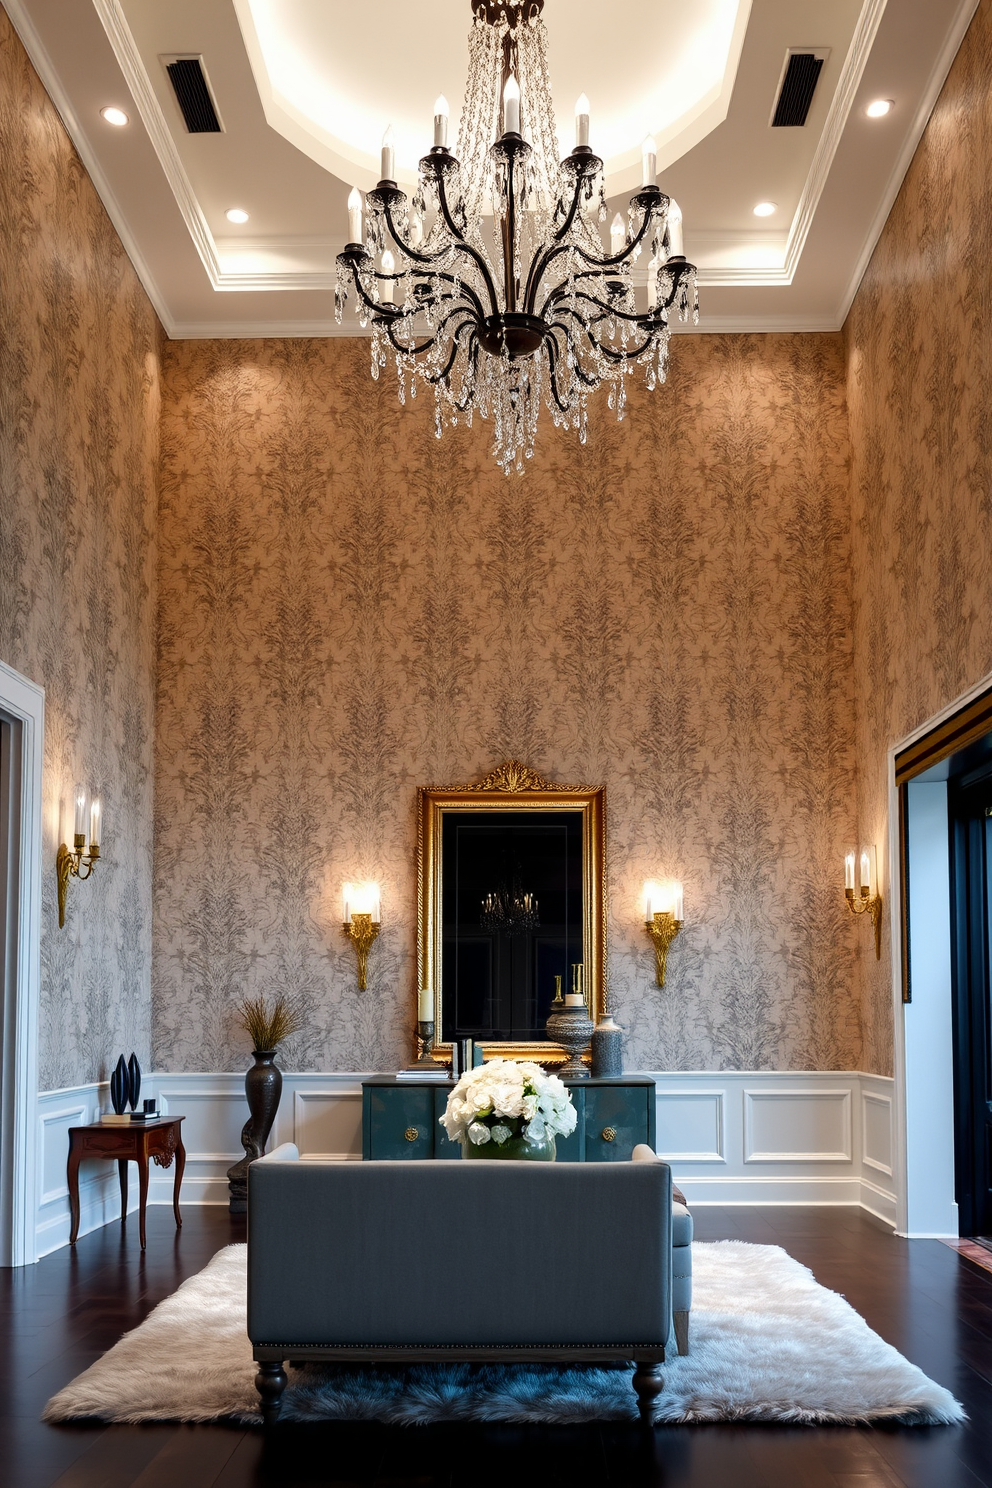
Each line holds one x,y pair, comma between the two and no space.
691,1124
797,1125
99,1188
732,1138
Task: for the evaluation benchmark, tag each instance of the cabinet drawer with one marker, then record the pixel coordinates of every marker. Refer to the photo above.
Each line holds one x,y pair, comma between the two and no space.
402,1122
616,1119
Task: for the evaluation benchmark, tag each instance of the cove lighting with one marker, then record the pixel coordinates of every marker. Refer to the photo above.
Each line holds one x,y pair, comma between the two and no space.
236,214
114,116
765,209
879,108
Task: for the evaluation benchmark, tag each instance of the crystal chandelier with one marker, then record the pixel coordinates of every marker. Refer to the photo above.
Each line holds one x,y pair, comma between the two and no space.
509,911
493,286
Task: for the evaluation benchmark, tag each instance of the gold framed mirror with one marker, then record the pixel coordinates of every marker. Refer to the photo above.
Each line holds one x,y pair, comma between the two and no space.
511,885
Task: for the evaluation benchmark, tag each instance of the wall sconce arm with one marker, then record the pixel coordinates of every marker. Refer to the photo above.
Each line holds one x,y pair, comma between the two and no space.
662,928
362,931
75,864
868,903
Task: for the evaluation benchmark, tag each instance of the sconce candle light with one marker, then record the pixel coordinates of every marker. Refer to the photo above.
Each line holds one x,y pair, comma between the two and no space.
663,919
78,863
362,921
867,899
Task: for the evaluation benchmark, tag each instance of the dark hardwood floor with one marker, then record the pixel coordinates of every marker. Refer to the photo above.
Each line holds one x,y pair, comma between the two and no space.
926,1299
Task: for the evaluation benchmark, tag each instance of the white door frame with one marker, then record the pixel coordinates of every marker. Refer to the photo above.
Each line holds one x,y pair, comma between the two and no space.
932,1111
25,701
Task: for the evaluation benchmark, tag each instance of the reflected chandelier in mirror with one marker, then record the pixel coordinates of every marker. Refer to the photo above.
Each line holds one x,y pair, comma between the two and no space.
511,901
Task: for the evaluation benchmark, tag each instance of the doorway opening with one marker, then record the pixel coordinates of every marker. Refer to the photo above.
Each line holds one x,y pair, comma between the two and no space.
945,784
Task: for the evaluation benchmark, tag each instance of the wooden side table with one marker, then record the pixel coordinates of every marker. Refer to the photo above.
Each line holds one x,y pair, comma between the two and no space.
136,1141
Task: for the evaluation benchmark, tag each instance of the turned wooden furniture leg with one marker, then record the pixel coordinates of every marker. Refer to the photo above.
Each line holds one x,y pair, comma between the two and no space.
72,1179
142,1189
270,1381
681,1320
180,1164
122,1175
649,1384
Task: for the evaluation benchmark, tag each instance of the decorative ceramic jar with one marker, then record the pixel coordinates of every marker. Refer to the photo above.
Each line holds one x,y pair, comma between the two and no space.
572,1028
607,1049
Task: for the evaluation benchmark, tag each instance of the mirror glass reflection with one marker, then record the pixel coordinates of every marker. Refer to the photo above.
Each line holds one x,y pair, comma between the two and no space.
511,920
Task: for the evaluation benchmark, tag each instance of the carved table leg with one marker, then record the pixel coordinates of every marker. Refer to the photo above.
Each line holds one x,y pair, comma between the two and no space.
649,1384
142,1187
122,1175
72,1179
270,1381
180,1165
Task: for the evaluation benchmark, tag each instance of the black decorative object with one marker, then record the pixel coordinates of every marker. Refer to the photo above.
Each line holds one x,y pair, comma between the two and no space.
120,1087
607,1049
263,1087
134,1080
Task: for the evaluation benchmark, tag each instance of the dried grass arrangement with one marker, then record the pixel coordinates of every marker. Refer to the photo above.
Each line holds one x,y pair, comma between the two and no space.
268,1029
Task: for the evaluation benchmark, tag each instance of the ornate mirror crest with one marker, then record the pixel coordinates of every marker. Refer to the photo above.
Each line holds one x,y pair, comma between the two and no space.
469,830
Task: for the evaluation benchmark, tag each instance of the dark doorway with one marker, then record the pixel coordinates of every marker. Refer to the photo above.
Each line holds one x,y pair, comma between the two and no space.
969,802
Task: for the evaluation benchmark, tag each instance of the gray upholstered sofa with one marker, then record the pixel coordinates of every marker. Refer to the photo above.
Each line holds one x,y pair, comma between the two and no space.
508,1261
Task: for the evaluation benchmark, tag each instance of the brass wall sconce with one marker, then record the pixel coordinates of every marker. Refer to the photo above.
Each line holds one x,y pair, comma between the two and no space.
79,862
867,899
663,920
362,922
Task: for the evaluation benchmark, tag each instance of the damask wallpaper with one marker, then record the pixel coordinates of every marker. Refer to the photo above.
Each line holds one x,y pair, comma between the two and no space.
79,402
350,608
919,347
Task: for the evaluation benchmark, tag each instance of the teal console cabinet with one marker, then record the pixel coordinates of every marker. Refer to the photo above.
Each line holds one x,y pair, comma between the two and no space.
401,1119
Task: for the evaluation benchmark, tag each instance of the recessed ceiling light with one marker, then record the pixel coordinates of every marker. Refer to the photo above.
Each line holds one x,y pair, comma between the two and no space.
765,209
114,116
236,214
879,108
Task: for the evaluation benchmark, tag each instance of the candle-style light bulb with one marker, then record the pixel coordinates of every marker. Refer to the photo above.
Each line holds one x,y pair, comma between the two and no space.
95,815
676,245
386,286
388,165
80,801
415,232
849,872
581,120
677,902
511,106
355,215
865,870
441,121
649,162
618,235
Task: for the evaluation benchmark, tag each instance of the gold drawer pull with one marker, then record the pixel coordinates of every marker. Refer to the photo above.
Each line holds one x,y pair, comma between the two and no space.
411,1134
609,1135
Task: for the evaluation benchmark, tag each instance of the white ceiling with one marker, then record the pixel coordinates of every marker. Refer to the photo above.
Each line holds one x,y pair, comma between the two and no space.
304,89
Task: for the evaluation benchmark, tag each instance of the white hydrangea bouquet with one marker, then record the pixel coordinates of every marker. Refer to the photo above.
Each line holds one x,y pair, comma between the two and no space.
508,1101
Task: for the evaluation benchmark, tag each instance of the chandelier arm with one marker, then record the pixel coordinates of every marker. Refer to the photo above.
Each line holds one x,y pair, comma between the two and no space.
545,257
609,311
442,376
467,248
554,356
429,258
622,257
579,370
426,345
619,356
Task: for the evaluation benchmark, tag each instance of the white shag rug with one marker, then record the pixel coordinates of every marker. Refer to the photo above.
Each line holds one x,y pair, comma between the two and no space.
767,1343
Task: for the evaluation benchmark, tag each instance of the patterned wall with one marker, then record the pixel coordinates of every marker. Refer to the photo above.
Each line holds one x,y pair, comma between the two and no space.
78,450
919,341
350,609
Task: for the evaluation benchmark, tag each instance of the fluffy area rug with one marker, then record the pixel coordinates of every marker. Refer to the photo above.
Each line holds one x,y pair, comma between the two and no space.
767,1343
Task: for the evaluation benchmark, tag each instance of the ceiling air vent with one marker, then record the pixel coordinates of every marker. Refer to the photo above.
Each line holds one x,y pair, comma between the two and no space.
798,84
189,83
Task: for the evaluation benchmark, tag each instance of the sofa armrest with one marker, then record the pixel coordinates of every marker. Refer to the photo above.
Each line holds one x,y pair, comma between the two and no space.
285,1152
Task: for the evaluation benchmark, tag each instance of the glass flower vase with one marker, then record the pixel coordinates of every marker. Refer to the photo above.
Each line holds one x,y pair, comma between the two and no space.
514,1147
